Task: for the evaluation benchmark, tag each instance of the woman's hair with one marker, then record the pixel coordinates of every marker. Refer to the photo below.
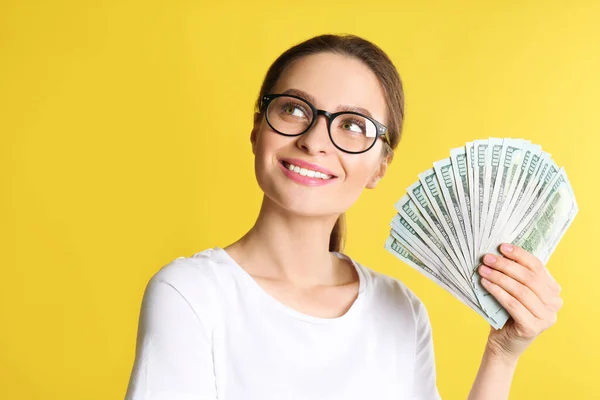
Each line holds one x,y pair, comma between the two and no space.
372,56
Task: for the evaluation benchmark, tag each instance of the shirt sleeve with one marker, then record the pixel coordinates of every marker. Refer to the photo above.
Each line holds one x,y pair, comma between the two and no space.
174,358
425,387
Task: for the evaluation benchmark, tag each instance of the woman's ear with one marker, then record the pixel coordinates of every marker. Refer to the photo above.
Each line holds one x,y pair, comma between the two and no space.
254,133
379,173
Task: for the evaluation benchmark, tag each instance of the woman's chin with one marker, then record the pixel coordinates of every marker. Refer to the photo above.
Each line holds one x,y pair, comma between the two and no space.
302,206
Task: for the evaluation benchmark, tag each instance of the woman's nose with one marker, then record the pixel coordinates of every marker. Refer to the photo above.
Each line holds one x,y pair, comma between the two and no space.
316,140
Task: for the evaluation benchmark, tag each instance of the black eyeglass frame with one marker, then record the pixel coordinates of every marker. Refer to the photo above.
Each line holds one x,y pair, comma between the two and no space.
381,129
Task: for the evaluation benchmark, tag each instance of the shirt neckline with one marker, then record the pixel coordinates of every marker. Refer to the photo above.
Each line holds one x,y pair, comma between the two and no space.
354,308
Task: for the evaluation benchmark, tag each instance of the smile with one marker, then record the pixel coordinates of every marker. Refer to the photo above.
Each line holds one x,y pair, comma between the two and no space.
306,172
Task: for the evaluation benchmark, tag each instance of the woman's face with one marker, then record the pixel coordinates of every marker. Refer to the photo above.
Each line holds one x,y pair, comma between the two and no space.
334,82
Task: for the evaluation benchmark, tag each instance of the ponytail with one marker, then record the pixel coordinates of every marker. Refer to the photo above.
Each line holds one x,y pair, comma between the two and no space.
338,234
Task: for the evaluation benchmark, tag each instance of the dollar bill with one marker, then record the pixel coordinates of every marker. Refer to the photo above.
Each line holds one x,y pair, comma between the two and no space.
470,152
531,156
460,169
546,171
480,151
492,164
547,175
541,234
417,193
399,248
508,165
423,247
433,191
415,244
445,175
408,211
426,250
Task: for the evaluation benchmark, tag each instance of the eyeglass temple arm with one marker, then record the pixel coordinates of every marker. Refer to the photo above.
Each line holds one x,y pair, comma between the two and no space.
387,137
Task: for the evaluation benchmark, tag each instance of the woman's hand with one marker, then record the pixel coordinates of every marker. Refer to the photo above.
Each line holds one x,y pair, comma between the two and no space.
525,288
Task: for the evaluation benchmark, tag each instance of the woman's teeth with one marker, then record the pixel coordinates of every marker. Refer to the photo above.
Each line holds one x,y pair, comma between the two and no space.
307,172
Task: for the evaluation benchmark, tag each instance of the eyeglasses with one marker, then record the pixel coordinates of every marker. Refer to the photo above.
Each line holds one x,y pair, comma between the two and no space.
349,131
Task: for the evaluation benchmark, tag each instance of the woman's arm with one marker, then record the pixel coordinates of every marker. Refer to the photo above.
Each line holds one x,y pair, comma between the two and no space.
173,353
493,378
525,288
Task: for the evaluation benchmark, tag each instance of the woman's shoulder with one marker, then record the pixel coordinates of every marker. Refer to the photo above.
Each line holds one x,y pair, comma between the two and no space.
194,277
184,268
392,291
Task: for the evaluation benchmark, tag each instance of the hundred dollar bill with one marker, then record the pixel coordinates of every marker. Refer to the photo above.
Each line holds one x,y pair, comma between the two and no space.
531,155
470,152
546,171
399,248
415,244
425,249
492,164
401,226
408,210
547,175
480,150
445,175
509,163
434,193
515,188
550,221
417,194
526,177
521,202
458,158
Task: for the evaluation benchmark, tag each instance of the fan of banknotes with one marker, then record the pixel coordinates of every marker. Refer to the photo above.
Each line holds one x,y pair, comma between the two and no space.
488,192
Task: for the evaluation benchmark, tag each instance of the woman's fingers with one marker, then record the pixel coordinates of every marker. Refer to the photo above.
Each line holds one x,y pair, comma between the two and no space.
513,287
521,256
524,287
536,282
515,308
530,261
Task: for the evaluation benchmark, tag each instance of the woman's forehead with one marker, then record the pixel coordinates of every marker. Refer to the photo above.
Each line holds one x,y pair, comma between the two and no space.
332,80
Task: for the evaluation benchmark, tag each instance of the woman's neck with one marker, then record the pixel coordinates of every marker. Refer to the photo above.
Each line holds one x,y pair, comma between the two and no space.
290,247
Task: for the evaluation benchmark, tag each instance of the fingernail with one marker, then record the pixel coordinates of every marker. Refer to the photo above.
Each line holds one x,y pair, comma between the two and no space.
485,281
489,259
507,247
483,270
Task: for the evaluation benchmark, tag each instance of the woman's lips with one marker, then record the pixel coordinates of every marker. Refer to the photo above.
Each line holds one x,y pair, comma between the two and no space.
302,179
307,165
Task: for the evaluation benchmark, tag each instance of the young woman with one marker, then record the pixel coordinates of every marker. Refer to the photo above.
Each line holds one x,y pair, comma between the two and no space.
282,313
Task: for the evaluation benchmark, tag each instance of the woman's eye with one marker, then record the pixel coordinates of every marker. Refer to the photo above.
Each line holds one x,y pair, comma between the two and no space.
353,126
294,110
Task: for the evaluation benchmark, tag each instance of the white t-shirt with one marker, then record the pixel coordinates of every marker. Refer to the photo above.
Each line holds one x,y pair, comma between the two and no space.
208,330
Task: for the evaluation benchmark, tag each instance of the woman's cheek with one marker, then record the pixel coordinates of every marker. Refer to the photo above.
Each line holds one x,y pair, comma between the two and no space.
359,174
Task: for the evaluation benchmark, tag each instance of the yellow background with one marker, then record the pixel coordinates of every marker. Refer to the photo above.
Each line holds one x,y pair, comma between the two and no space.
125,144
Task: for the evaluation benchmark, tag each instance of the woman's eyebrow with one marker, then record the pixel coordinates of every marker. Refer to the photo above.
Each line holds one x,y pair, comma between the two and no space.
341,107
359,110
300,93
